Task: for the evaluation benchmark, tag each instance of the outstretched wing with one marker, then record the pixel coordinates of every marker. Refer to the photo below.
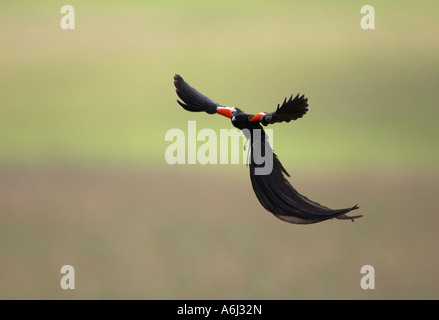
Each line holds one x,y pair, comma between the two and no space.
277,195
289,110
195,101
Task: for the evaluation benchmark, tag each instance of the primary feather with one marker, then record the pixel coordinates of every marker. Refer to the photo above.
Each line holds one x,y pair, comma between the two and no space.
292,109
194,100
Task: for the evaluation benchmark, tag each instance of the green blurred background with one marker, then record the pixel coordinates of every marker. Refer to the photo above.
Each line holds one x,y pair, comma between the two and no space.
83,179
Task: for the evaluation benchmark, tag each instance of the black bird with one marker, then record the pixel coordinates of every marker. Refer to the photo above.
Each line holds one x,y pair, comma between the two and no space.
272,189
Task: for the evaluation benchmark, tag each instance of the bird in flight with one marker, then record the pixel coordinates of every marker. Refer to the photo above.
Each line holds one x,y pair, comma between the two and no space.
271,187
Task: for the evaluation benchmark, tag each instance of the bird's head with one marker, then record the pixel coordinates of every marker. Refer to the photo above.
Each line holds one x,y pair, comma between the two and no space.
240,121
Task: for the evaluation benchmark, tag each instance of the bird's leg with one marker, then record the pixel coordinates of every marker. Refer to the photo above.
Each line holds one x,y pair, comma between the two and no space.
248,153
245,144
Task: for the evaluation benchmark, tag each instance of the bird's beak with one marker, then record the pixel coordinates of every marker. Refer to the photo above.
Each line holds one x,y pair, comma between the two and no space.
257,117
225,112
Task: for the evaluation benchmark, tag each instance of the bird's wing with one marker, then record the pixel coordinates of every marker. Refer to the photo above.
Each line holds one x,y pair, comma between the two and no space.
277,195
196,102
290,109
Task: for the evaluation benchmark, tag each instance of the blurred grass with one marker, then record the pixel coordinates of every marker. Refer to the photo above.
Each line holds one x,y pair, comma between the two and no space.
144,235
83,181
104,92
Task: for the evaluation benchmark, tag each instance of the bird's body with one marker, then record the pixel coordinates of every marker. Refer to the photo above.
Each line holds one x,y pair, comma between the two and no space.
271,187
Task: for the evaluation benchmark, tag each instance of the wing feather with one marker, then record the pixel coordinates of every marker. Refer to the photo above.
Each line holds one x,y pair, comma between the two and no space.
192,99
291,109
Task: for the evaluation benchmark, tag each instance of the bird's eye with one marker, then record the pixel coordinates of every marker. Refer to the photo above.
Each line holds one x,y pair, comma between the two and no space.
233,119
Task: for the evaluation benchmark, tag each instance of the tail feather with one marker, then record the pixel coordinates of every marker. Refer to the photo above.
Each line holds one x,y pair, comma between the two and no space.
279,197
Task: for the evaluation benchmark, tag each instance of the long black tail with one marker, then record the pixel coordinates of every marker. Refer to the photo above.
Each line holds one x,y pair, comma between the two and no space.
277,195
